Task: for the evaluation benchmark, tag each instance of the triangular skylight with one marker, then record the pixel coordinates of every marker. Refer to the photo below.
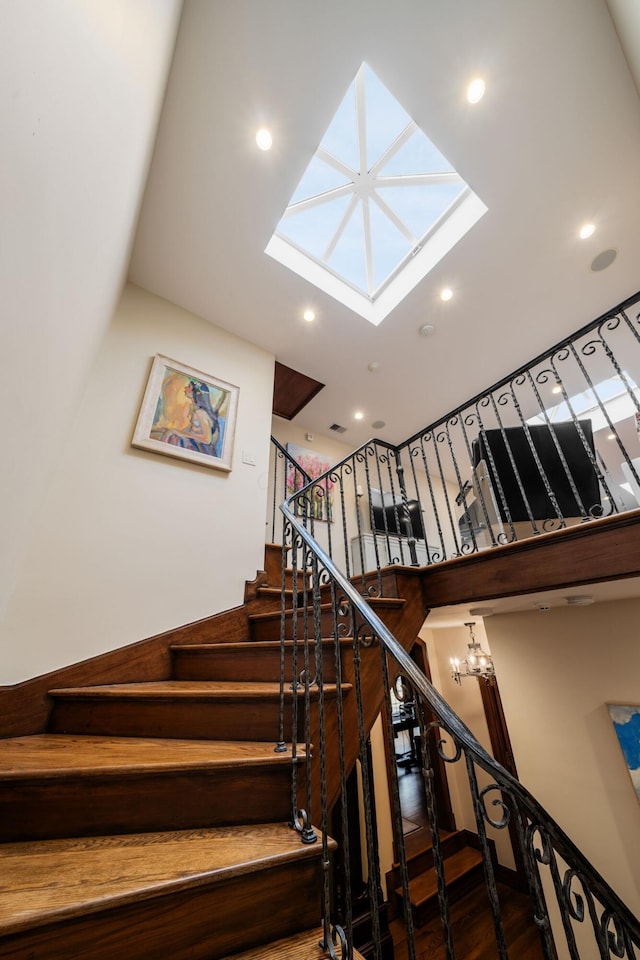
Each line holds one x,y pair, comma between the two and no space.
376,209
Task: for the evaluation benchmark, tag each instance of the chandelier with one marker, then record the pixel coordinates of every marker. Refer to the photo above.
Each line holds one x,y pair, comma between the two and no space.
477,663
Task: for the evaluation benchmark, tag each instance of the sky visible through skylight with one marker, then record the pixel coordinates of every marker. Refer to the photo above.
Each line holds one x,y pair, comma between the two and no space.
372,191
364,222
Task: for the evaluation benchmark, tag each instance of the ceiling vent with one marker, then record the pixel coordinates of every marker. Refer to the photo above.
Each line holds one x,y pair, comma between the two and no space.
337,428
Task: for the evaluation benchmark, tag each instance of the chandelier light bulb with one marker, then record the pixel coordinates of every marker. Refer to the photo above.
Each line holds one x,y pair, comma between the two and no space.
476,664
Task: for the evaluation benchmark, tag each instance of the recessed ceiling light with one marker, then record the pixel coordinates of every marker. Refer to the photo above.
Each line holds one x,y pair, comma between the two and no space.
264,138
475,90
309,316
426,330
358,415
611,436
587,230
446,294
557,390
373,366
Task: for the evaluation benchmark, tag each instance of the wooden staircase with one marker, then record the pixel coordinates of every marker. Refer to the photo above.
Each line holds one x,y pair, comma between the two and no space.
147,819
462,870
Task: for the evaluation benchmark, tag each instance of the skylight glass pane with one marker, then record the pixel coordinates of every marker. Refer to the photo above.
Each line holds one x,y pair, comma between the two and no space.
341,138
417,155
420,207
318,178
615,395
389,245
400,213
386,119
348,258
312,230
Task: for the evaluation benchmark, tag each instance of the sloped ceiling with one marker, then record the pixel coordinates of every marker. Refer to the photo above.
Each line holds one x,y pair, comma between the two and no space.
554,142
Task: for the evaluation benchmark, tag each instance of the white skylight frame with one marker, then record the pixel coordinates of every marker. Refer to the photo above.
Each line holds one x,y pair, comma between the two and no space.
361,187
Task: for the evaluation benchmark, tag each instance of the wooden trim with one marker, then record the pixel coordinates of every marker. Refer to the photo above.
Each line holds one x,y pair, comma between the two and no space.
593,552
25,707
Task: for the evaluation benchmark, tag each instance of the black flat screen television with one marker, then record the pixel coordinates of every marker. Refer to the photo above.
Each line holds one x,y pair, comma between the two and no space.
389,518
578,460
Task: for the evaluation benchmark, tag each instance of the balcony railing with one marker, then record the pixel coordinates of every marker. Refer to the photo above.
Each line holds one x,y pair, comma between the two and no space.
556,443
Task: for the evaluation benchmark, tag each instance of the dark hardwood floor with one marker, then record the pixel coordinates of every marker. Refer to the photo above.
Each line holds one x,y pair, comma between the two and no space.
473,933
412,799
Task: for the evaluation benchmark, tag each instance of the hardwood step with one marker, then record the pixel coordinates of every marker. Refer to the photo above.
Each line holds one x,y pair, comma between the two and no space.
183,709
301,946
462,870
253,660
56,785
182,894
266,626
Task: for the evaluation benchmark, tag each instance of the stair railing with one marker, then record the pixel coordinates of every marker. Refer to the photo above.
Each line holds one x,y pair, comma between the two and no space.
286,478
556,443
573,908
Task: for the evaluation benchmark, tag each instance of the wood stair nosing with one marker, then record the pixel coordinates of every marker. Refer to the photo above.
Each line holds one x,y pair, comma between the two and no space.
460,868
184,894
252,660
60,785
180,709
266,625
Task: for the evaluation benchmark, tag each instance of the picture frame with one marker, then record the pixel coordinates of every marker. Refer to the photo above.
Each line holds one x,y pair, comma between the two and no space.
187,414
314,464
625,718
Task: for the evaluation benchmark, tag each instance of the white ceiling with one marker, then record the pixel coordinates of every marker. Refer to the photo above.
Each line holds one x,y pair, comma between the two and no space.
554,142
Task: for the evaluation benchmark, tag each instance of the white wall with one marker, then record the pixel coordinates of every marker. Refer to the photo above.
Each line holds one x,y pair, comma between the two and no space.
130,543
557,671
82,85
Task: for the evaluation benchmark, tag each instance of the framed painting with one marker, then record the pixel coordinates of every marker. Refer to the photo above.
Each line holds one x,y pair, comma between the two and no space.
187,414
314,465
626,723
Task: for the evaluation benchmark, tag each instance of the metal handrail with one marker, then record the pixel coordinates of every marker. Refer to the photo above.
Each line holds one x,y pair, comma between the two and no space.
619,930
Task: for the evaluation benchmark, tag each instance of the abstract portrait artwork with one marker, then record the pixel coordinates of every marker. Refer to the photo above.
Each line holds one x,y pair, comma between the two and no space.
320,501
626,723
187,414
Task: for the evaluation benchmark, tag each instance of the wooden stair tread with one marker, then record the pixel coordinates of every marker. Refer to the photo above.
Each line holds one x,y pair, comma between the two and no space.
199,690
301,946
425,885
251,646
54,755
380,603
51,880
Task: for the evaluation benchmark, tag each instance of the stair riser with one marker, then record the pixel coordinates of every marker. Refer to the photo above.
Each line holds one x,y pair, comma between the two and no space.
455,891
177,800
269,628
205,923
179,718
258,664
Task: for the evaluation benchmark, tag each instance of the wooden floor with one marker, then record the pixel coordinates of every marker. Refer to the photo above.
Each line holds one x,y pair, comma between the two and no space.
473,933
412,799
